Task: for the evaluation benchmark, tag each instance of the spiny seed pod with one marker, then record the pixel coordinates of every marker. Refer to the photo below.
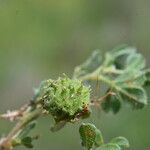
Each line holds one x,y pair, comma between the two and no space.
64,98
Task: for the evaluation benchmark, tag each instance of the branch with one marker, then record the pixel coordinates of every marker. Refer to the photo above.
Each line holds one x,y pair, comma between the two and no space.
30,115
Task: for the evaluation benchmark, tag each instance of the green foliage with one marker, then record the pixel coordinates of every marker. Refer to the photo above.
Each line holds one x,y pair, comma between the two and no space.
92,139
123,70
90,136
121,141
109,146
23,138
112,103
68,100
90,65
147,74
27,141
26,130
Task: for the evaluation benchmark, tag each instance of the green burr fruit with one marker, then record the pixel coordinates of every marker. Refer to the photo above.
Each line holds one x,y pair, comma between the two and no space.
64,98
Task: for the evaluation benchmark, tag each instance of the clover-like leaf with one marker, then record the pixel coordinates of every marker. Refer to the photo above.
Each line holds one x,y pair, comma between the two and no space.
110,146
90,136
121,141
27,142
123,70
135,96
111,103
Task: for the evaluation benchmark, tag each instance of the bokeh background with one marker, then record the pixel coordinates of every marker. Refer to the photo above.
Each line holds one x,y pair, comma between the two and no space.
41,39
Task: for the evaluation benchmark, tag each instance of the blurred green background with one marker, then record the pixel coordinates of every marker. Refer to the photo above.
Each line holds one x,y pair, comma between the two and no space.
42,39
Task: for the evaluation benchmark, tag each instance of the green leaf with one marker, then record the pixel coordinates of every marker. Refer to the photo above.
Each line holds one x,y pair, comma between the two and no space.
112,57
90,136
23,138
111,103
90,65
27,142
135,96
109,146
147,75
121,141
123,71
99,138
27,130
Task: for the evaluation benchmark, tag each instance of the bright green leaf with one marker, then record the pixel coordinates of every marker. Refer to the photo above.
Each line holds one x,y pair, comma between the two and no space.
121,141
110,146
99,138
90,136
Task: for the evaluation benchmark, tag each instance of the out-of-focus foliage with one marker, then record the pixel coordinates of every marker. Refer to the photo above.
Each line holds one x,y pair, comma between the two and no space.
123,70
42,39
121,141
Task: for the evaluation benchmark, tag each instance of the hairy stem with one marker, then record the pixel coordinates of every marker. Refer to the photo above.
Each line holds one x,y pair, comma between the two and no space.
28,117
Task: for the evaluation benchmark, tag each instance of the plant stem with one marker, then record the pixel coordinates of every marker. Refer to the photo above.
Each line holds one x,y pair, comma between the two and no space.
28,117
112,84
